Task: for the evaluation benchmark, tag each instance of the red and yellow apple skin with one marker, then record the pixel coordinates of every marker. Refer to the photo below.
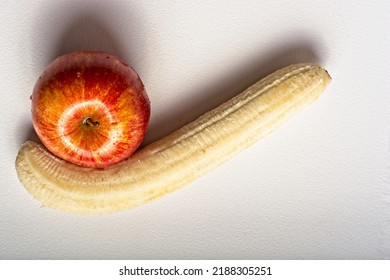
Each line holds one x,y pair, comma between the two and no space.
90,108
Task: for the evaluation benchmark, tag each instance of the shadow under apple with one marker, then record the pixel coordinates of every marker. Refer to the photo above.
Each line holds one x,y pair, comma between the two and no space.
69,26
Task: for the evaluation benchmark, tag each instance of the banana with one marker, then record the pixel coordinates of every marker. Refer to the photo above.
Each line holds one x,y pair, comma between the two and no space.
177,159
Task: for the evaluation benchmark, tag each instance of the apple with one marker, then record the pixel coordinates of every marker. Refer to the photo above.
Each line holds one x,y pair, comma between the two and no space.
90,108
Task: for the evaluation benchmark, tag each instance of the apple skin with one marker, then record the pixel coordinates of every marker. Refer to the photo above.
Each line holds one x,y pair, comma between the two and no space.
90,108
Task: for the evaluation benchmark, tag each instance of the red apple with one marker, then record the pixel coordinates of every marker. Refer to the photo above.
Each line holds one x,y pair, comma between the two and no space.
90,108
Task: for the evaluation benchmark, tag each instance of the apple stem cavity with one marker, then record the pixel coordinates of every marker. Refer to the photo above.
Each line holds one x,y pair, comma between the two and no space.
88,121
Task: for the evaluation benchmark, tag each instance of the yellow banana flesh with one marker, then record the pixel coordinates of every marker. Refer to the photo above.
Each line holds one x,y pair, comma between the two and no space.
178,158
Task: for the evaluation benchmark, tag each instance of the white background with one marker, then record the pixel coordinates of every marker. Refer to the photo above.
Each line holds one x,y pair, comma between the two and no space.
318,188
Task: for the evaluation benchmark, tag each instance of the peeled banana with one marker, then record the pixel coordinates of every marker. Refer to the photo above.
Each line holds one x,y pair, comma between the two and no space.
176,159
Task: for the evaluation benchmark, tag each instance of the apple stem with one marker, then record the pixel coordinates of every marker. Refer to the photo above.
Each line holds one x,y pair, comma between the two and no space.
90,122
